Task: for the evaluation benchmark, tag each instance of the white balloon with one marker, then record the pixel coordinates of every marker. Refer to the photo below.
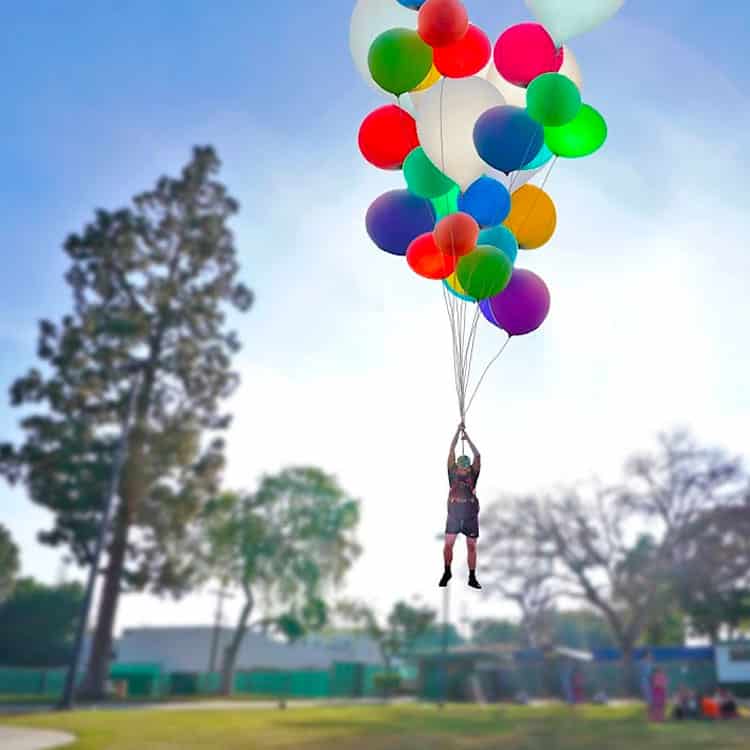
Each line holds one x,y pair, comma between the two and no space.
516,95
370,18
565,19
514,180
446,115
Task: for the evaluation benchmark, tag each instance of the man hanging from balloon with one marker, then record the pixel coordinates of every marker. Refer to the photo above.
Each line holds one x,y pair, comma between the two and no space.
472,125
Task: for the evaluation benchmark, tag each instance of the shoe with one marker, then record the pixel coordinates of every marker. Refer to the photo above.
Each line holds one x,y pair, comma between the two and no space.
446,577
473,582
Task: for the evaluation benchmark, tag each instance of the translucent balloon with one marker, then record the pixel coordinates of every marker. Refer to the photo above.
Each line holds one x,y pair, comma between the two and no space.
442,22
532,217
552,100
457,234
485,272
507,139
501,238
453,285
521,307
399,60
525,51
387,136
487,200
467,57
423,178
432,78
516,95
565,20
580,137
370,18
425,259
446,115
446,204
396,218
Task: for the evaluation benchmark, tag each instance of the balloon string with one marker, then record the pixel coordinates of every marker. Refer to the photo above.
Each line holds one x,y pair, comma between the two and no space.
527,215
484,372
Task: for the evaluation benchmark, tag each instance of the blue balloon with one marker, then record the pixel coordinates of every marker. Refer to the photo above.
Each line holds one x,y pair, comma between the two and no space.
413,4
507,139
540,159
398,217
487,200
501,238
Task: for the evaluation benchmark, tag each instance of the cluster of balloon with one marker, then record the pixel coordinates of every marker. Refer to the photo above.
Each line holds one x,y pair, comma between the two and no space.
471,125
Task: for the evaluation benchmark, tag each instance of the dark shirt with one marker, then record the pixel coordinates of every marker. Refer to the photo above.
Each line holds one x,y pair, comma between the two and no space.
462,486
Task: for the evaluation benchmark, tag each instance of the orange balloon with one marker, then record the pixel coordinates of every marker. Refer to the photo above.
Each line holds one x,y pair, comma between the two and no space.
532,217
425,258
457,234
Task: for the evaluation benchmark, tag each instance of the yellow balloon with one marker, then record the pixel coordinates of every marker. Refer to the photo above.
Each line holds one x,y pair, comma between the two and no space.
453,282
432,78
532,217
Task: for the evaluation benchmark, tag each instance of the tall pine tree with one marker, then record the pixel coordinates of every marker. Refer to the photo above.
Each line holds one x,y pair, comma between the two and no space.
151,285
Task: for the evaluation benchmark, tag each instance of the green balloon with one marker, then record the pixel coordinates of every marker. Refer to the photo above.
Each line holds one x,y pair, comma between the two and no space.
552,99
580,137
423,178
484,272
399,60
446,204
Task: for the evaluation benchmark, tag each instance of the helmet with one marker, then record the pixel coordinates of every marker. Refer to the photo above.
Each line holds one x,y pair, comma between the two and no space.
464,462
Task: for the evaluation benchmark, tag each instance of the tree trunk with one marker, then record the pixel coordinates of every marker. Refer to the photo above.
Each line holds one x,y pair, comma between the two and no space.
229,661
97,671
630,684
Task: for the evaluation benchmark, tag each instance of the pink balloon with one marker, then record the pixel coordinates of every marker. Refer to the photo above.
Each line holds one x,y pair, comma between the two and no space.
524,52
521,307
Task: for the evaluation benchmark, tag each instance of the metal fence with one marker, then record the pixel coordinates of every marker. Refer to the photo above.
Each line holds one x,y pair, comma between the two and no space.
148,681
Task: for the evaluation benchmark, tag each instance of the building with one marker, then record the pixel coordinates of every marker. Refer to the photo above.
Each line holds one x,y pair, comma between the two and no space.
189,650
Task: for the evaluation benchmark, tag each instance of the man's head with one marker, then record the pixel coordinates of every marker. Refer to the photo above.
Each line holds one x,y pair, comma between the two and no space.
463,463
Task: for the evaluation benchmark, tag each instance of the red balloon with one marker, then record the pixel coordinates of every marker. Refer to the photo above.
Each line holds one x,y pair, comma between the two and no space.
465,57
442,22
387,136
425,258
456,235
524,52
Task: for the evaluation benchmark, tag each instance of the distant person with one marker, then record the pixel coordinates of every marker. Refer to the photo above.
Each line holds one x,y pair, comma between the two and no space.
727,705
686,705
463,507
646,668
567,681
658,705
579,686
710,707
600,698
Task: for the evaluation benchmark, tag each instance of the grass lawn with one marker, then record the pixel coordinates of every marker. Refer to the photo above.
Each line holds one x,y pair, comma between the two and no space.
410,727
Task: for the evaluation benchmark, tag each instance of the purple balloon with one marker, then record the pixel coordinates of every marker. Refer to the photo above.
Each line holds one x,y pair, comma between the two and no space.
398,217
507,139
521,307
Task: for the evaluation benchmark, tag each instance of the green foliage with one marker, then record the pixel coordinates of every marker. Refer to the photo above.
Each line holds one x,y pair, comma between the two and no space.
9,563
581,629
286,545
37,624
149,287
489,630
387,682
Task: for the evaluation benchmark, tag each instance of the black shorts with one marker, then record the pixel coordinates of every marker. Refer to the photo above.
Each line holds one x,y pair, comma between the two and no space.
463,518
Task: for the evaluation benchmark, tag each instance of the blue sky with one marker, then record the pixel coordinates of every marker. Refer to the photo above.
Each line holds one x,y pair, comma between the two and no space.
648,269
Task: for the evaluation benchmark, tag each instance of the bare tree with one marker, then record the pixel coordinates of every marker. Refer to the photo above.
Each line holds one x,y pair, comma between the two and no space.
518,570
698,498
679,520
